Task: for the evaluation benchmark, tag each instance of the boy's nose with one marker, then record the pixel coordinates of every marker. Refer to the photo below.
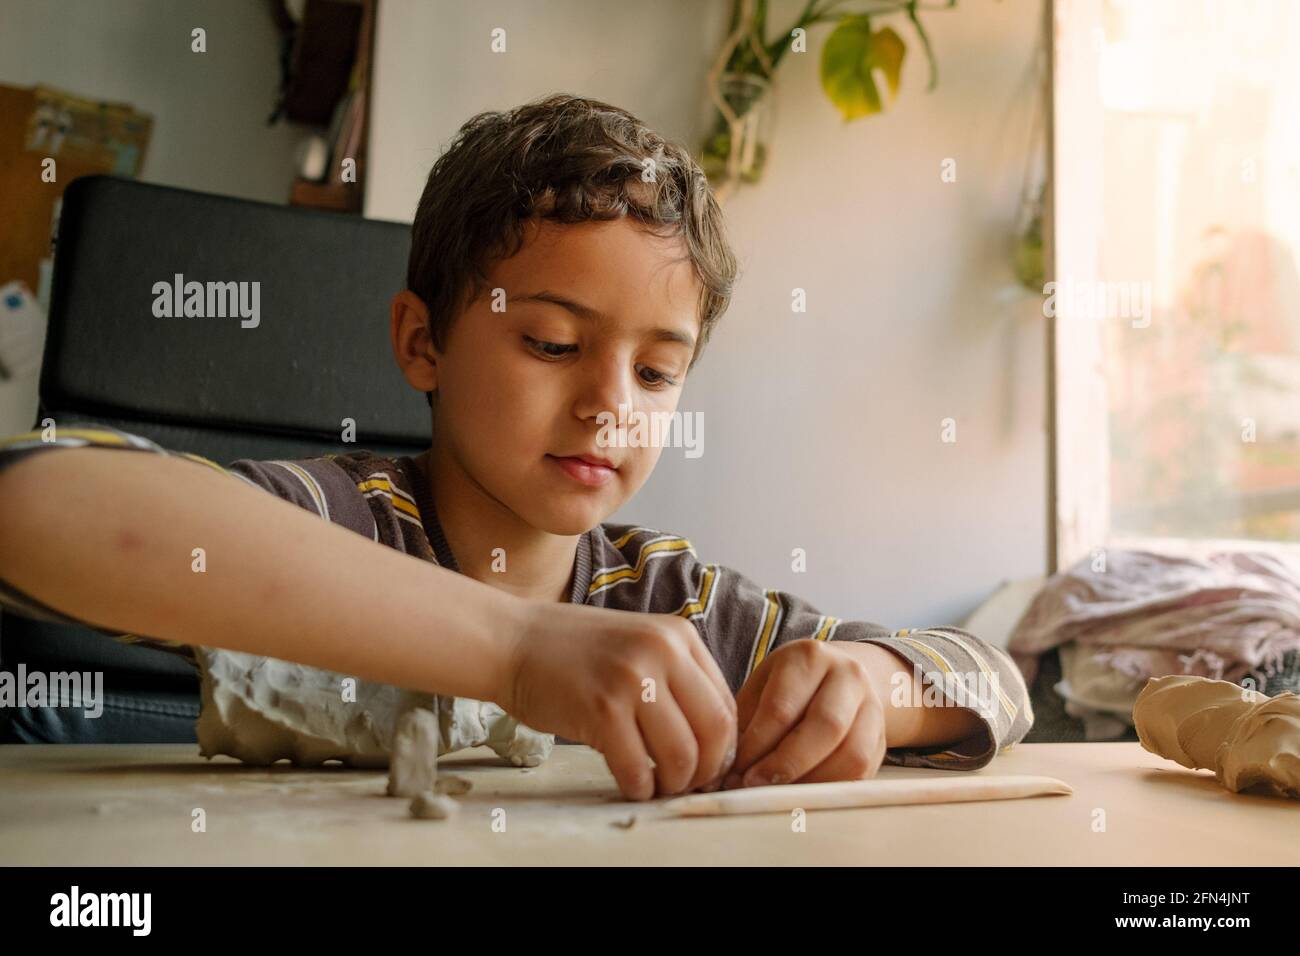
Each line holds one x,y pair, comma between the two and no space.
603,389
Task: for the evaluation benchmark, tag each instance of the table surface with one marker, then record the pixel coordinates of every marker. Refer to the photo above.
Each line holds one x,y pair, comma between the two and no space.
130,804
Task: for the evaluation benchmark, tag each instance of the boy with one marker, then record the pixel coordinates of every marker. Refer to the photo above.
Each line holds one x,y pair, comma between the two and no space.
565,261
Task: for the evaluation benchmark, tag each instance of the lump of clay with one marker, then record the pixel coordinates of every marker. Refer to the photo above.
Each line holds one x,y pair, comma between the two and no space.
433,806
1165,702
260,710
1245,737
1264,748
414,765
508,738
470,723
450,783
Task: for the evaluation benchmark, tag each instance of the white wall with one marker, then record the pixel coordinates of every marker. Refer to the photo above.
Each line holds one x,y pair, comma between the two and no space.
434,69
209,109
822,430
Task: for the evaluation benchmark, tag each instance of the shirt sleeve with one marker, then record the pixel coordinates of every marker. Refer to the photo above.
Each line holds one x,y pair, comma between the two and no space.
315,484
743,624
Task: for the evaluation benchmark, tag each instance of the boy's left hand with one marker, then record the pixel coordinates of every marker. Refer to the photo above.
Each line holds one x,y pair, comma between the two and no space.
809,713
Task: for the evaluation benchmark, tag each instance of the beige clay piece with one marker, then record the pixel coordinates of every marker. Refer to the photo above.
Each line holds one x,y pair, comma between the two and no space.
1247,738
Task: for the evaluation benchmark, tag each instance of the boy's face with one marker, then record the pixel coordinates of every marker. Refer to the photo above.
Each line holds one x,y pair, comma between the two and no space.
589,317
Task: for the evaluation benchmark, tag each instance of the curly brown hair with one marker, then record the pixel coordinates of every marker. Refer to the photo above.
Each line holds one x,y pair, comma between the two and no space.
568,159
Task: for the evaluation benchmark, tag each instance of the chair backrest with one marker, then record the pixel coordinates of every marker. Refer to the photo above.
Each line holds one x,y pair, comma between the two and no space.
285,340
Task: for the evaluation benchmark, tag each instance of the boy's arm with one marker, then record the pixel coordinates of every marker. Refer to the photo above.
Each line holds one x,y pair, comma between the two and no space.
107,538
951,700
901,686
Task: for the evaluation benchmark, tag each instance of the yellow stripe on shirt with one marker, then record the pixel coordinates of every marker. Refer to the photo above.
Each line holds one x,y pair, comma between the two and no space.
385,487
928,651
994,680
89,434
202,461
768,628
825,628
629,535
625,575
701,604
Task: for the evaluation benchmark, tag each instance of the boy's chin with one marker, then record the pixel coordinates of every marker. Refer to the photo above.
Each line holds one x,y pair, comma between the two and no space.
567,521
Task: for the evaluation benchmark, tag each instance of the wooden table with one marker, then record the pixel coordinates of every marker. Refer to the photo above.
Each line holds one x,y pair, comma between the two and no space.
134,804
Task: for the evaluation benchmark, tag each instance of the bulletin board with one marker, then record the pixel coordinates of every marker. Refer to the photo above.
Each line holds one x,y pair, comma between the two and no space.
82,136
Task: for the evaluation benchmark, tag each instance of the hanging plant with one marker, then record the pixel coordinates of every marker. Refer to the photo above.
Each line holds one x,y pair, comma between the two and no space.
1028,257
740,82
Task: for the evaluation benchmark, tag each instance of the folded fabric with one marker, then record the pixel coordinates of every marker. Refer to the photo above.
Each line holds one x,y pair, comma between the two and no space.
1096,693
1229,616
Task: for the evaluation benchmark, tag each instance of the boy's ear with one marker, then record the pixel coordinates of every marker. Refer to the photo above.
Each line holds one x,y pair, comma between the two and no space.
412,343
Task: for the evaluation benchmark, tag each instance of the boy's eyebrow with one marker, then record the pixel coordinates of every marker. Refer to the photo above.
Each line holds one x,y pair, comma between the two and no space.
590,314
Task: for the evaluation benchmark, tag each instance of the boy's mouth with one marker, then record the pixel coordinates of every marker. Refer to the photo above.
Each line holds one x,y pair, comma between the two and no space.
588,470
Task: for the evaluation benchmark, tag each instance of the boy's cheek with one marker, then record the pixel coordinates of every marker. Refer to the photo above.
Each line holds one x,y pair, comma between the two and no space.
631,481
643,462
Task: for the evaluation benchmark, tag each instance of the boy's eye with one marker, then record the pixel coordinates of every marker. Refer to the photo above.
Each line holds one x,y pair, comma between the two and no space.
654,377
549,349
557,350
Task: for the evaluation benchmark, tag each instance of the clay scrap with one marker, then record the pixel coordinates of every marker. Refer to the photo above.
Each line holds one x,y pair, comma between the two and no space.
433,806
414,766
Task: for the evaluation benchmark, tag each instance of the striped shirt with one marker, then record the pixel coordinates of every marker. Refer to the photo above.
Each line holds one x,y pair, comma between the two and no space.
618,566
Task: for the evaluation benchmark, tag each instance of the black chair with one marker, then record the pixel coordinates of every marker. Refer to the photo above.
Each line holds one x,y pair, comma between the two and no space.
319,354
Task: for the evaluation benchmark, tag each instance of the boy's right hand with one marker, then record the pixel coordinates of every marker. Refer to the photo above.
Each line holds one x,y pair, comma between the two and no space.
633,686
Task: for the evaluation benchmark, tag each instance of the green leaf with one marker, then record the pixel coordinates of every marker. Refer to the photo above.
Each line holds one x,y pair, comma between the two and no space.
850,55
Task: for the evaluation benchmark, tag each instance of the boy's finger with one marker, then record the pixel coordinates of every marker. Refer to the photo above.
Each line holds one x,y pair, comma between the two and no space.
626,756
781,705
826,722
710,667
751,692
712,721
669,738
858,756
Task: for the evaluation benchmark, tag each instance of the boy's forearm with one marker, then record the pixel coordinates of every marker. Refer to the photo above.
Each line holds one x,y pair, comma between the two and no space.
910,725
110,539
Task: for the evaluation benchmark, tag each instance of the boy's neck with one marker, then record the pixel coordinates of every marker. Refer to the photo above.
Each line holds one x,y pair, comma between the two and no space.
538,566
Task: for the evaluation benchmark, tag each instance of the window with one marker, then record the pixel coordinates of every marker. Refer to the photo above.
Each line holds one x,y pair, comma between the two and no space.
1177,273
